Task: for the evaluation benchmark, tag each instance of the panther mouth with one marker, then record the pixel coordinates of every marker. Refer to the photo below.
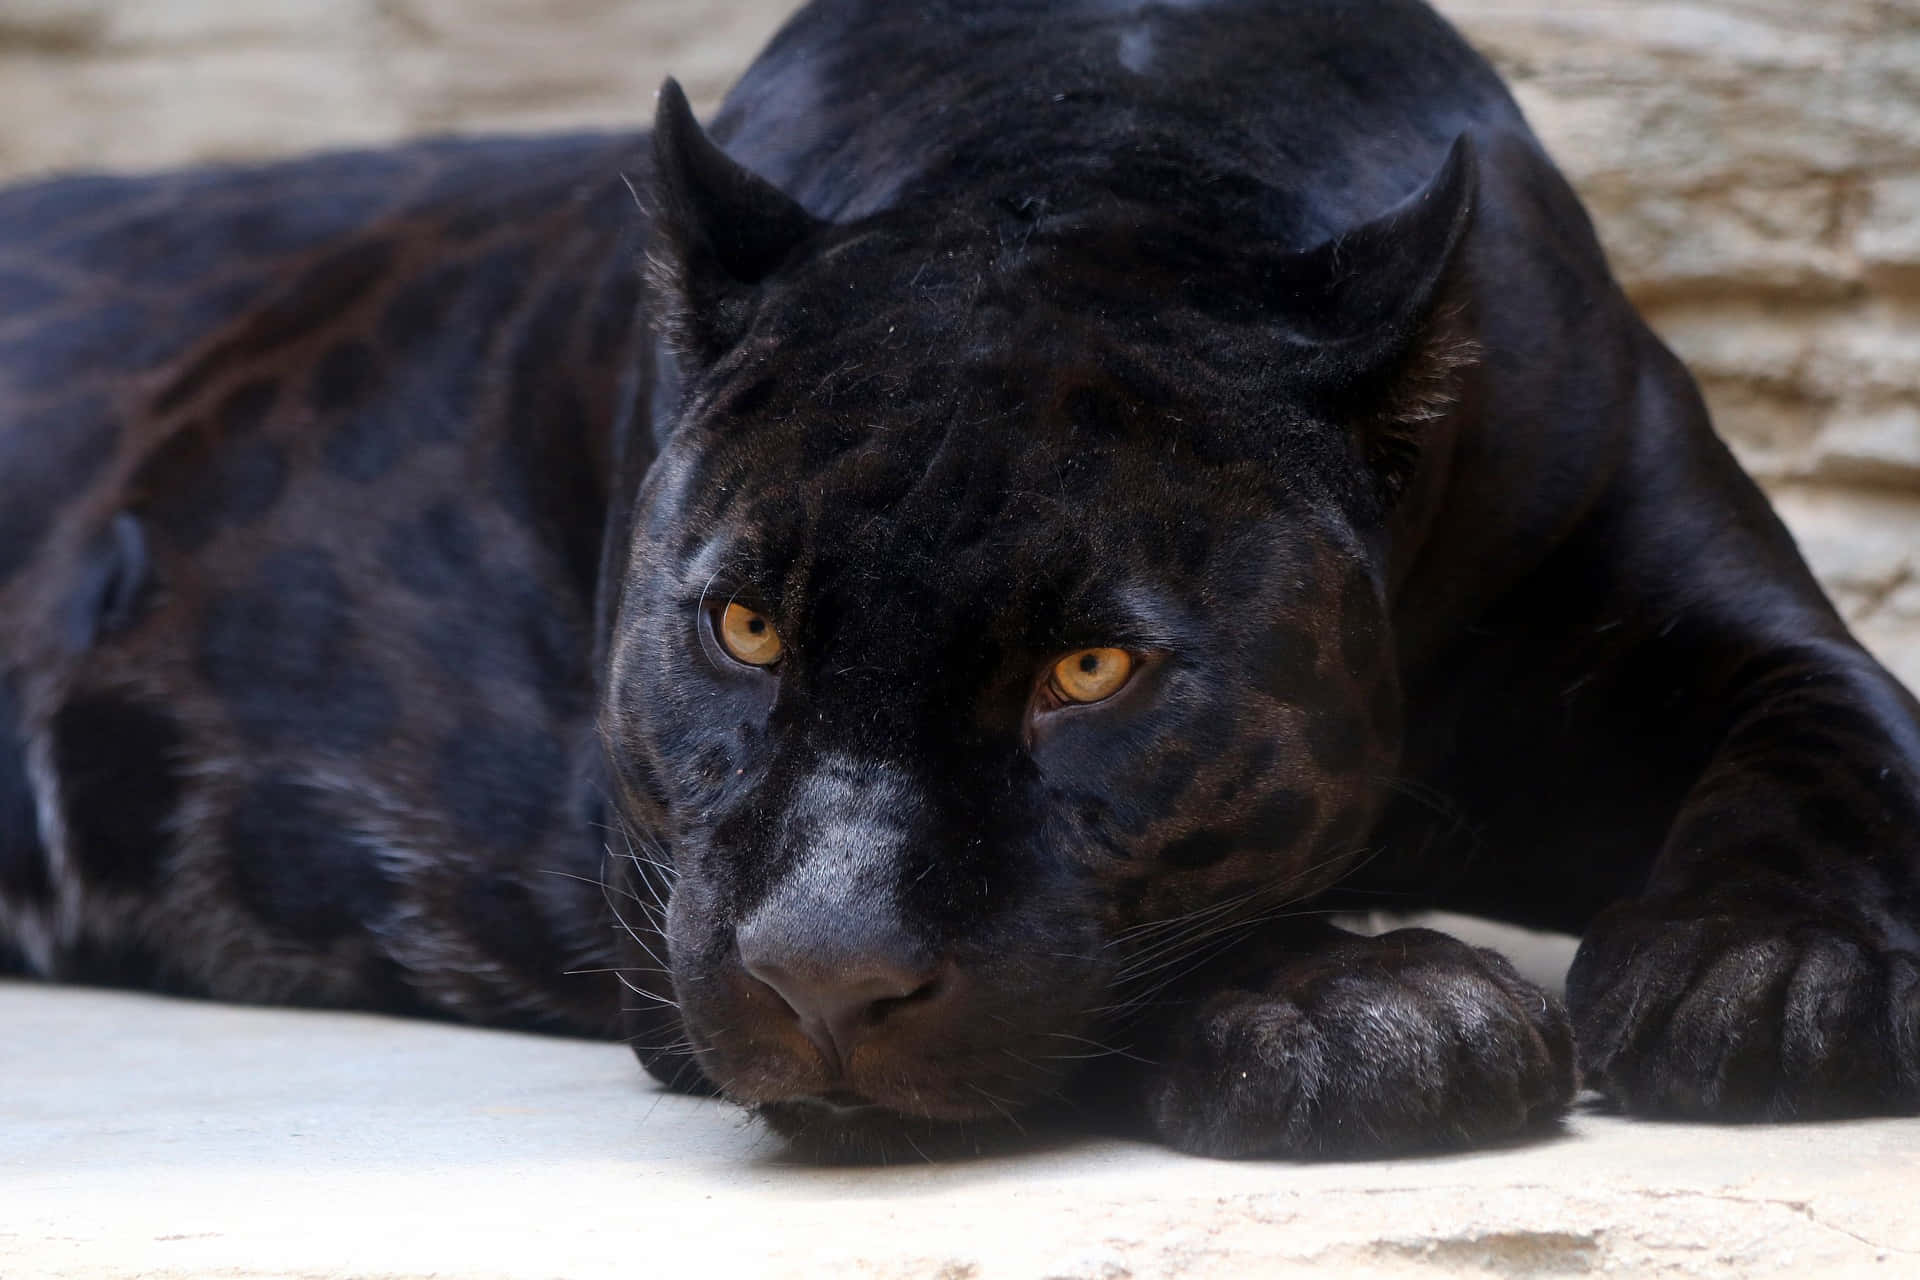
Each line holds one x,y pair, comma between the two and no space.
837,1105
842,1102
841,1127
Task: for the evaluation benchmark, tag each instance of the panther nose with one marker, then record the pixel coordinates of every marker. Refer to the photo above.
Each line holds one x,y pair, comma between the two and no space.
839,995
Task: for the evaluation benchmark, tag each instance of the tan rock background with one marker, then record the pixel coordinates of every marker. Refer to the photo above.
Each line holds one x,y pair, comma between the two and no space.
1754,166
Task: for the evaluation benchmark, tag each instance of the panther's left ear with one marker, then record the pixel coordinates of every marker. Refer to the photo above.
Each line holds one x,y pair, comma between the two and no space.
719,230
1386,301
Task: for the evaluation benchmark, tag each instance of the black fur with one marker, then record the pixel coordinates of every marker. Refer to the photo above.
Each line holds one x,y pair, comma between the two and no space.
112,580
299,867
1424,468
293,631
24,873
119,764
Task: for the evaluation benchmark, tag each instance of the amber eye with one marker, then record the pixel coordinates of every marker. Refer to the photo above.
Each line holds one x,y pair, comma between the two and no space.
748,636
1091,675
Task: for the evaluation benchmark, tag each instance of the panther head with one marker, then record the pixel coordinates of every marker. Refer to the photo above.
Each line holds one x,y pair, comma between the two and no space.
1003,626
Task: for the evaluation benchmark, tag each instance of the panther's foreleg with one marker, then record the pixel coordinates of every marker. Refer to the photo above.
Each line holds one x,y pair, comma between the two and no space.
1322,1042
1771,968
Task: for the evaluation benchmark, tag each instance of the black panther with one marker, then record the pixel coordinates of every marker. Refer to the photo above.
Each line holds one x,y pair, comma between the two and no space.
920,620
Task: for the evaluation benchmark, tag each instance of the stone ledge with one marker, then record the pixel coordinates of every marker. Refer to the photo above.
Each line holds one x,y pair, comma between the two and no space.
151,1137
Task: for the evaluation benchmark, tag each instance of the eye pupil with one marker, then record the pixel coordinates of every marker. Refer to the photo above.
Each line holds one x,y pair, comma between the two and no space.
1089,662
757,625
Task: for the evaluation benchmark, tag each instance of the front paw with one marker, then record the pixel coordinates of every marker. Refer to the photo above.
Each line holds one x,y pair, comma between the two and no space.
1702,1010
1407,1041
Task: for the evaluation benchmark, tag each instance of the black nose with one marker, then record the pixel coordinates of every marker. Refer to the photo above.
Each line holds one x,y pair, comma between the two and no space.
840,994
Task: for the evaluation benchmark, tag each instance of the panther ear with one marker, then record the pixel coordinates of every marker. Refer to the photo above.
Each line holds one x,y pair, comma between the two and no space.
718,231
1390,338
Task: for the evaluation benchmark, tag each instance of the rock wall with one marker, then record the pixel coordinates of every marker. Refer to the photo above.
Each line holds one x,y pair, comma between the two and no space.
1754,166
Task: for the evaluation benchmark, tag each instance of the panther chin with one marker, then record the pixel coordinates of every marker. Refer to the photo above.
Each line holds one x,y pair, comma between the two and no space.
843,1128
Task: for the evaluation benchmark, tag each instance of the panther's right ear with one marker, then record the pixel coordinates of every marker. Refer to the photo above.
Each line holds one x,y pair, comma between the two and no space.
718,231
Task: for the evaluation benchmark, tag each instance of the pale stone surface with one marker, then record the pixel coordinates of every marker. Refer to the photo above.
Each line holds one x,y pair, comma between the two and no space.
143,1136
1753,165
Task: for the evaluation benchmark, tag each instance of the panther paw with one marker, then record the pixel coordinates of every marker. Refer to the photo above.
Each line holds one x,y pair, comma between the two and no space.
1709,1013
1407,1041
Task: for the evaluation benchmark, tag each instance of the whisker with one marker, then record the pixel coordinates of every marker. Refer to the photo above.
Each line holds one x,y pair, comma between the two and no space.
644,994
673,1048
1097,1050
601,884
1197,928
1002,1106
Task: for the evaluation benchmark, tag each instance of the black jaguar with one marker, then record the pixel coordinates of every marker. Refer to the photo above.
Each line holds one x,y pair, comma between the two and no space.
1079,491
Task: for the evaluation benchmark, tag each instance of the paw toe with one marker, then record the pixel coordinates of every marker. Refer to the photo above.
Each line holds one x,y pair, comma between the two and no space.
1718,1019
1424,1043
